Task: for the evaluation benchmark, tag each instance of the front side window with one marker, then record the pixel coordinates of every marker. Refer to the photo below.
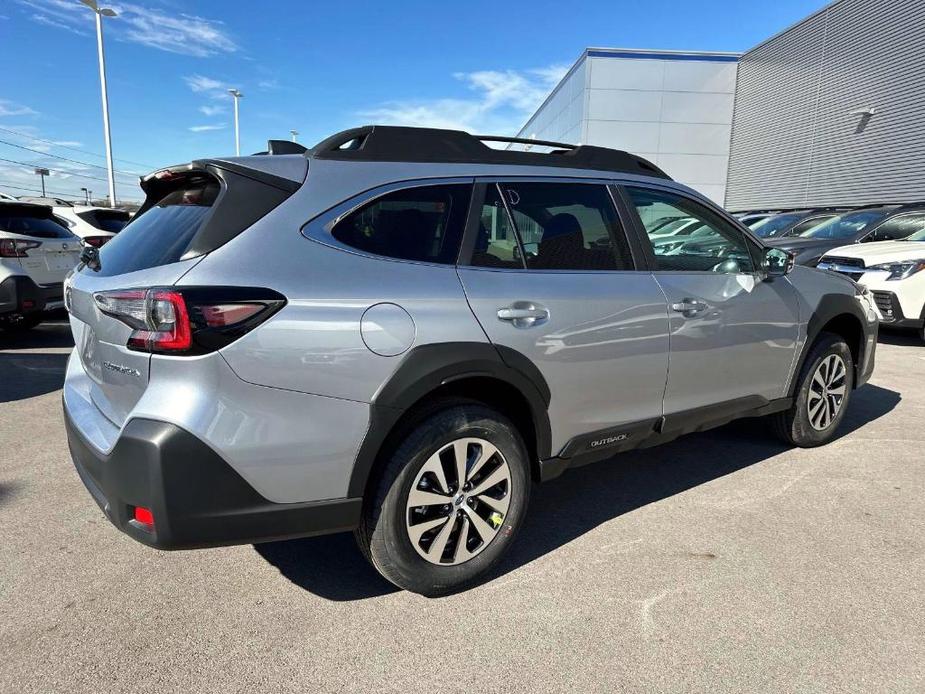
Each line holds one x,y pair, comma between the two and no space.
423,224
897,228
550,226
713,246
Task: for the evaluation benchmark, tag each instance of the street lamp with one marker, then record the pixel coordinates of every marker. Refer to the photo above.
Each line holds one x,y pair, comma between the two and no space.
236,93
293,133
101,12
86,192
43,173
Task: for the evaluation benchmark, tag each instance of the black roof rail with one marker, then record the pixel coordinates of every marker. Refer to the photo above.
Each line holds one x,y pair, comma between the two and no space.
405,144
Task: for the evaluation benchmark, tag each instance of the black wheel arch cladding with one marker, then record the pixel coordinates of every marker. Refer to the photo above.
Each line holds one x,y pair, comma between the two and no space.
832,309
428,368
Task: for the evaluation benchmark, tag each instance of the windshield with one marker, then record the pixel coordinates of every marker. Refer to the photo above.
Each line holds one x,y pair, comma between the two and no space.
774,226
844,226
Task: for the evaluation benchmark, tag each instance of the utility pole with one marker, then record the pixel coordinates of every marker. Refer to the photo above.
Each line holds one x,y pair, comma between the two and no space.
43,173
101,12
236,93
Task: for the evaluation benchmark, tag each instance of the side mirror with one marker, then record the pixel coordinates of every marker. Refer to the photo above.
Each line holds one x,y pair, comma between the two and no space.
777,262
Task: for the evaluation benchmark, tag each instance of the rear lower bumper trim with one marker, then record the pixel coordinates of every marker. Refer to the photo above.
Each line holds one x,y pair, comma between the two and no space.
196,498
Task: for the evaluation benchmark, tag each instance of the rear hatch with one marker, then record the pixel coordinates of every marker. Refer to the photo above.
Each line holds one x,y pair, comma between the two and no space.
43,248
189,211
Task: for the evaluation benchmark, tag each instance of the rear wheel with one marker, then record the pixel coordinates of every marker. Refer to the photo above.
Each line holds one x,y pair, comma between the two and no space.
821,396
449,501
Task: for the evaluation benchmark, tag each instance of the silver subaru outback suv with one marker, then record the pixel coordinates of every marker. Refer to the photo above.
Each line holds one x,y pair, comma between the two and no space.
401,330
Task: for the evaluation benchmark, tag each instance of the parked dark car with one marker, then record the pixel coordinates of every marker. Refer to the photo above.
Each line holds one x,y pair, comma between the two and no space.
886,223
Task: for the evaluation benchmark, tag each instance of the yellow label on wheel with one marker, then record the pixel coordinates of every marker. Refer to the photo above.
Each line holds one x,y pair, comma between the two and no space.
496,519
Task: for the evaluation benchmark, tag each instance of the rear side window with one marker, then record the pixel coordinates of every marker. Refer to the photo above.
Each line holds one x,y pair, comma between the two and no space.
163,233
559,226
26,222
423,224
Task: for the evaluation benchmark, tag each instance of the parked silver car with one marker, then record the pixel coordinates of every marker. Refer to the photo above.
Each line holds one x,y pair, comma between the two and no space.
399,331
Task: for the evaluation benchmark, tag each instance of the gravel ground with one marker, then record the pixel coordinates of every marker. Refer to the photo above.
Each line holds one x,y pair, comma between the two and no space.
720,562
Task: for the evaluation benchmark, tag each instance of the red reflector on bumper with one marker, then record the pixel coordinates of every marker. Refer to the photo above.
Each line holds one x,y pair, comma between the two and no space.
144,516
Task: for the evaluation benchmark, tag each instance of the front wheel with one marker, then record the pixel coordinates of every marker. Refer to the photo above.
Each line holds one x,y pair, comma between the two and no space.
449,501
821,396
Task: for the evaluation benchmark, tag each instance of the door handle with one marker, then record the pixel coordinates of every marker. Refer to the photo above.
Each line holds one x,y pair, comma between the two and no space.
524,315
689,307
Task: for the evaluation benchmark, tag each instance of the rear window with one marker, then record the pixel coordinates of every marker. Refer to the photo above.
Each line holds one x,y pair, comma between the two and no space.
28,223
423,224
161,234
107,220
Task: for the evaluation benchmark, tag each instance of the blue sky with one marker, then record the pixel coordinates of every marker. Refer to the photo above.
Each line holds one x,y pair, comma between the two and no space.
317,67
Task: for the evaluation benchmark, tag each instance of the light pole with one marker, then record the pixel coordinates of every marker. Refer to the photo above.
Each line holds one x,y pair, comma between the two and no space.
86,192
294,133
236,93
101,12
43,173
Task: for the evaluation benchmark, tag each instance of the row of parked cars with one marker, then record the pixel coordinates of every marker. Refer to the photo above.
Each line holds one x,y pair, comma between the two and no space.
41,240
881,247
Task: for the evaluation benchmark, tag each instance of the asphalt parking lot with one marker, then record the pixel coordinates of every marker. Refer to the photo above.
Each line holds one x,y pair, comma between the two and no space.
722,561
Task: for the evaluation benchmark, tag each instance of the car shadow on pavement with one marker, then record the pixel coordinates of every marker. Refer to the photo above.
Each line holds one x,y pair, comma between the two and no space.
45,336
900,338
26,375
582,499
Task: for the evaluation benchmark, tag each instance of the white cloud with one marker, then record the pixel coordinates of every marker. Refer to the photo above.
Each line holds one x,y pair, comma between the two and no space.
206,128
10,108
268,85
211,110
212,88
175,33
502,101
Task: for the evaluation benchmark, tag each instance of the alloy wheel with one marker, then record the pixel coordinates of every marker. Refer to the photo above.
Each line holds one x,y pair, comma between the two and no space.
827,392
458,501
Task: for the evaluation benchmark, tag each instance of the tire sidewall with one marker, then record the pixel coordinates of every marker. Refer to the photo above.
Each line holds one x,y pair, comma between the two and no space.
389,533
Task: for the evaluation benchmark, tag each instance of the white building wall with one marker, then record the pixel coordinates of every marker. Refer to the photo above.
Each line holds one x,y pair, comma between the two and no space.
670,107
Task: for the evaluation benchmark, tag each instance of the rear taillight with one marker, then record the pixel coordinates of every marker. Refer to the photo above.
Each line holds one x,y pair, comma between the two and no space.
14,248
188,320
96,241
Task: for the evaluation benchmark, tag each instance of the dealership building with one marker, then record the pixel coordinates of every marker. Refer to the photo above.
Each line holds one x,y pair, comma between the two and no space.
830,111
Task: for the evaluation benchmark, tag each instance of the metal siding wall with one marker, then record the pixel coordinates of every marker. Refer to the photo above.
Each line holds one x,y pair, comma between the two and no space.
794,140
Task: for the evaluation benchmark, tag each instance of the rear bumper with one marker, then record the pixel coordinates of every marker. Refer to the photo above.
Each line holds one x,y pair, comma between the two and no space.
196,498
20,296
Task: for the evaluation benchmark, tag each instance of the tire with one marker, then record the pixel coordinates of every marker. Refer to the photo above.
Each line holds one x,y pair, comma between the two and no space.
33,320
434,562
817,412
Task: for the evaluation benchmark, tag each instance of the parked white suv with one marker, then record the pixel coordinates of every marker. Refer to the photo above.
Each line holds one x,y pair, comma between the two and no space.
93,225
36,252
893,272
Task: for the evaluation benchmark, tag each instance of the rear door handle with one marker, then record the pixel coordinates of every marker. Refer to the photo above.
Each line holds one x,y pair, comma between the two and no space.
689,307
523,314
